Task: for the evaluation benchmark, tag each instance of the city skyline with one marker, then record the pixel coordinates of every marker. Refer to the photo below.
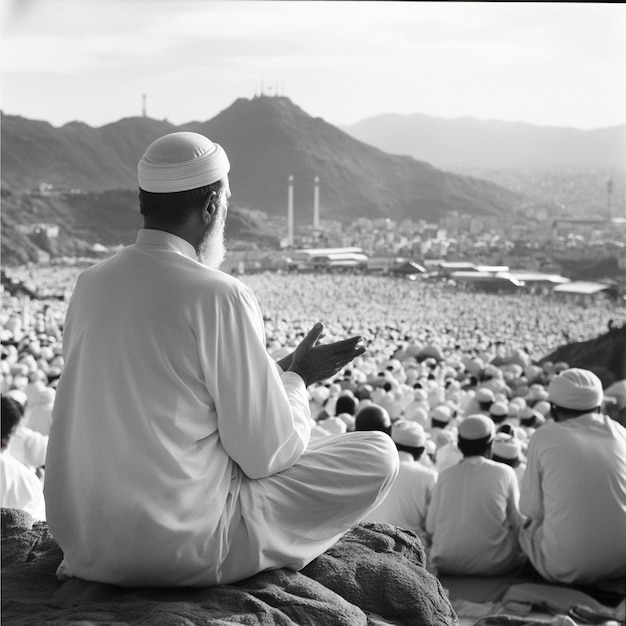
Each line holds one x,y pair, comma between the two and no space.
548,64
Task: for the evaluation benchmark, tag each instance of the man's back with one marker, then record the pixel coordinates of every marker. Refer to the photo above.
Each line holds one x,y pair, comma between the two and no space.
472,517
406,504
140,483
575,485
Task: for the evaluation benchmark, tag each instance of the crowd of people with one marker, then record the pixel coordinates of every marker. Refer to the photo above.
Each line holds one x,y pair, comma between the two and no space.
233,432
434,356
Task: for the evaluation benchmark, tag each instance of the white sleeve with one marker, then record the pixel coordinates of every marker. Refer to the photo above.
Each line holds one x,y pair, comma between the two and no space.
512,505
263,416
29,446
531,494
431,515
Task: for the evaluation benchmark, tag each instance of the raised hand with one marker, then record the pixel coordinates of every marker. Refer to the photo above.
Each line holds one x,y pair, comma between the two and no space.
315,362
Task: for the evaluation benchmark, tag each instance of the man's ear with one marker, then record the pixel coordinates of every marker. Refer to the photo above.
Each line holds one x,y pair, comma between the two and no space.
209,207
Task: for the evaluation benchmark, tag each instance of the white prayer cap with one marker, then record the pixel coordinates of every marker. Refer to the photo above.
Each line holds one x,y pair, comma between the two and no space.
441,413
476,427
408,433
507,447
498,409
543,407
180,162
484,394
577,389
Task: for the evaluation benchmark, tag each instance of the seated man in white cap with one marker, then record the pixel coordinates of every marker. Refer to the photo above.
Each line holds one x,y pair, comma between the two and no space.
574,487
473,516
179,451
407,503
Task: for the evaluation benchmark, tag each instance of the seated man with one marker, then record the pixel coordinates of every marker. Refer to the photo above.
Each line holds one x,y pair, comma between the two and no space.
27,445
473,516
179,451
574,486
20,488
407,502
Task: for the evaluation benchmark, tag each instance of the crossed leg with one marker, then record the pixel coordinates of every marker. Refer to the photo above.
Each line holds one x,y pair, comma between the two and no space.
292,517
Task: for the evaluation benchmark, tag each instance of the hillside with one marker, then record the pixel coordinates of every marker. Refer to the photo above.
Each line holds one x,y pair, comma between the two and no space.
605,355
109,218
267,139
75,155
472,143
271,138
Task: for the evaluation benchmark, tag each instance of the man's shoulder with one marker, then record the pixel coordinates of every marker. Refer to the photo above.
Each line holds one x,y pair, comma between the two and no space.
223,283
415,467
551,430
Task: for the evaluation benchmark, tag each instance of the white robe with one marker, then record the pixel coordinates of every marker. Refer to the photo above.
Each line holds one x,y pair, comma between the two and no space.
473,519
407,503
19,487
574,492
167,406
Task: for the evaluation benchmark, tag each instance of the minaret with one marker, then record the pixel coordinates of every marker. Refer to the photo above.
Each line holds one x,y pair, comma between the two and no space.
609,197
290,214
144,105
316,204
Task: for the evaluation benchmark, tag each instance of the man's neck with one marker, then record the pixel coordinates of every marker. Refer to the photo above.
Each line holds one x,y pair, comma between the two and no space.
179,231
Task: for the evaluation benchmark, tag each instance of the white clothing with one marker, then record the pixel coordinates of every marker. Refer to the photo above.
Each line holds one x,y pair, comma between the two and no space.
473,519
28,446
447,456
167,406
19,487
291,517
574,492
407,503
38,415
417,411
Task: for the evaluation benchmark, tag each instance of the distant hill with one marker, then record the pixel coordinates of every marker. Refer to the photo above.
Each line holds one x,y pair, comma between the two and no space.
109,218
267,139
472,143
75,155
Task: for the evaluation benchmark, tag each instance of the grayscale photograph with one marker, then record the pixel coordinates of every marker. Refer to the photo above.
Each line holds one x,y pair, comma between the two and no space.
313,313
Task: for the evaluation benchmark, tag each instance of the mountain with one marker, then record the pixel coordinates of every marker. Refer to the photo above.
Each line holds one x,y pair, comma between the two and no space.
75,155
267,140
468,142
109,218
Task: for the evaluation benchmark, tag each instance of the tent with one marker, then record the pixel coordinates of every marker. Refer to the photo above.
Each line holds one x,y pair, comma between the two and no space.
410,268
583,288
487,281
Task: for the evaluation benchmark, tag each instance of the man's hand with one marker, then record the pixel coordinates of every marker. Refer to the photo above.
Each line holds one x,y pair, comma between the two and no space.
314,362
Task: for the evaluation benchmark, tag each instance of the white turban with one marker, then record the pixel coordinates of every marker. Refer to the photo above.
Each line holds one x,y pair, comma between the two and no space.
408,434
576,389
180,162
507,447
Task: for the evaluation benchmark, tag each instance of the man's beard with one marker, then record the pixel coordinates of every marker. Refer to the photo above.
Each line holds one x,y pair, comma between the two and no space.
211,250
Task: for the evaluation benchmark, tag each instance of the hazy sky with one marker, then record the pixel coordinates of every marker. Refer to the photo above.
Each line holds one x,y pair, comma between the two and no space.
561,64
